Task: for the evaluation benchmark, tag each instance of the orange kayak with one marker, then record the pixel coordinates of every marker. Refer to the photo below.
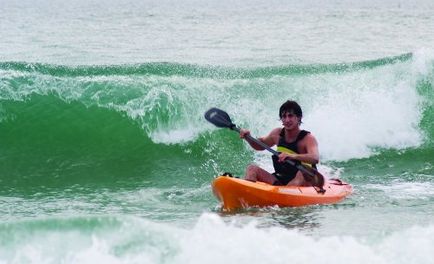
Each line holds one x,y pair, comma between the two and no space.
237,193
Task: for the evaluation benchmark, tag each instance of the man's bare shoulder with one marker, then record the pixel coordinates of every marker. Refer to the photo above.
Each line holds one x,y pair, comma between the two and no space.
276,131
310,138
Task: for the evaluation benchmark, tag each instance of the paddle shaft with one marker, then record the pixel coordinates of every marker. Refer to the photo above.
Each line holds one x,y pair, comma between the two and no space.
265,146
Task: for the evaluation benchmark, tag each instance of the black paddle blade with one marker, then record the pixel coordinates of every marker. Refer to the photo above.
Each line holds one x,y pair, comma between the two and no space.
219,118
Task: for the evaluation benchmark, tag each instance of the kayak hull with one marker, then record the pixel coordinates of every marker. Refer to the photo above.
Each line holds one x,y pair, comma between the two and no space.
237,193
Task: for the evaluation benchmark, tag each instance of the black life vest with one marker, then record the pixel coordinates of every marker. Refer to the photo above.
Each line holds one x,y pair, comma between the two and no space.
285,172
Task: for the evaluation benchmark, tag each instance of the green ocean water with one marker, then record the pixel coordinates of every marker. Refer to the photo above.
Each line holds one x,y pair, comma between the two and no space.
105,154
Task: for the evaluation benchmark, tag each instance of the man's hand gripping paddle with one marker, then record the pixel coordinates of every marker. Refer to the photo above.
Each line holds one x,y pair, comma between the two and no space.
221,119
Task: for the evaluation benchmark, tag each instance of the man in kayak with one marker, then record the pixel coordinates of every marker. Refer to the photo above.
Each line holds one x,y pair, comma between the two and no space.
292,143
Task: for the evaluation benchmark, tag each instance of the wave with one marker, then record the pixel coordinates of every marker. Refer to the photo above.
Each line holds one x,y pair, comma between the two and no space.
119,123
169,107
52,143
170,69
112,240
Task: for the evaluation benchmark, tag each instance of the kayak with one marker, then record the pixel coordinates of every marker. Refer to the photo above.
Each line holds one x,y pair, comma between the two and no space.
235,193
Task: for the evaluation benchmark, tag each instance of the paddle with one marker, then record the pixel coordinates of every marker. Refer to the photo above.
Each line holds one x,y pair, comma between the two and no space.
221,119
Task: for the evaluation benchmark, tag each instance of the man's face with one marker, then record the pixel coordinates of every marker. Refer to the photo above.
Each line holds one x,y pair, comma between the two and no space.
290,120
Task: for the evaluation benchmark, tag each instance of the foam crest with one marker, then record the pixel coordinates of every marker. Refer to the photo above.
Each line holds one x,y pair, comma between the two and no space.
251,244
210,240
174,136
423,61
213,241
352,110
358,112
406,190
108,240
254,245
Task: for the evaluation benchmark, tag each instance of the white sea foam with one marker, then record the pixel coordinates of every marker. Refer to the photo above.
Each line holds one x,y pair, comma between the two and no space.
423,61
175,135
365,110
211,240
351,113
406,190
